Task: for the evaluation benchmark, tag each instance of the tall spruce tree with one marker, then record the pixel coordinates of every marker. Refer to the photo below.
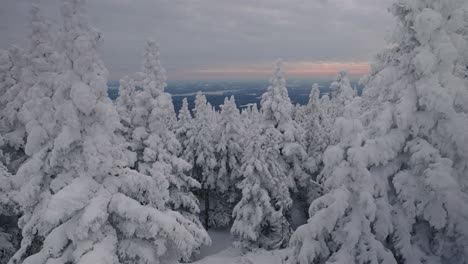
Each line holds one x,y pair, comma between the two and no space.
396,180
342,94
260,216
277,113
125,104
184,124
9,231
200,153
270,164
78,202
229,148
316,124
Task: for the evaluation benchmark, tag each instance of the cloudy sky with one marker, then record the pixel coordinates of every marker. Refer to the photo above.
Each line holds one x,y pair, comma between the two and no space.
226,39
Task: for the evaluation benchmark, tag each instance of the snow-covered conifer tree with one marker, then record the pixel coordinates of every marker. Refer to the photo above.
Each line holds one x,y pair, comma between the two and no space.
25,76
277,113
160,153
200,153
317,136
7,76
34,71
342,94
153,83
12,132
7,80
229,149
396,181
325,104
125,104
184,124
273,159
229,144
250,115
9,232
276,105
162,144
259,217
78,203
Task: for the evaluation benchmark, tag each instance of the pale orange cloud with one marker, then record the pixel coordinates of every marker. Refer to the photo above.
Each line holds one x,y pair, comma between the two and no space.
293,69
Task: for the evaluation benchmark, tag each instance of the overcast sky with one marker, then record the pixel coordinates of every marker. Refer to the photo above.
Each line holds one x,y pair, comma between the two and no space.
235,39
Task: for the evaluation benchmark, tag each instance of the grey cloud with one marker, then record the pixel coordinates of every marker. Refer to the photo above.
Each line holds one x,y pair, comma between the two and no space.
211,33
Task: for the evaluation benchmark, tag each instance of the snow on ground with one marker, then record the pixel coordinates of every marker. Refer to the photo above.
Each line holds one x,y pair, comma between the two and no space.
221,251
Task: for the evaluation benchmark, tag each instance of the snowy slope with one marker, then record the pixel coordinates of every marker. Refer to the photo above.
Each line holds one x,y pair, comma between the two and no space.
222,252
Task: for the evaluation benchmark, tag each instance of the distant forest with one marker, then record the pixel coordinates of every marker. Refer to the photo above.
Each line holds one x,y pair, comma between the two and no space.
245,92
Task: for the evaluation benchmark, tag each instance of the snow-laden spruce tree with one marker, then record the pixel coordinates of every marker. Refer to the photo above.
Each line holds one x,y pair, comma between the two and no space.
125,104
9,232
271,161
184,124
325,104
12,62
12,132
158,149
200,153
396,182
229,145
163,149
260,216
8,78
250,115
26,74
229,149
33,70
276,109
342,94
276,105
317,128
78,204
153,83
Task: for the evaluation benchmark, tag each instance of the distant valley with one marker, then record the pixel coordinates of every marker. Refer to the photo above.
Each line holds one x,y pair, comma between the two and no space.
245,92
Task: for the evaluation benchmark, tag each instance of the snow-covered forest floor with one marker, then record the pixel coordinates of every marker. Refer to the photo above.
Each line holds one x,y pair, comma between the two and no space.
222,251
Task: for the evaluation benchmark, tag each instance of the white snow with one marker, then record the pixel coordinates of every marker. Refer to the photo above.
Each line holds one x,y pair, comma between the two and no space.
222,251
377,179
83,97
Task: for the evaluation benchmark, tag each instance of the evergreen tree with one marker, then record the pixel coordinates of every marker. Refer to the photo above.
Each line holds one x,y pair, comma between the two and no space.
277,113
125,104
325,104
200,153
153,82
269,164
7,80
160,155
184,124
250,116
12,132
9,232
342,94
163,146
396,181
25,76
317,128
259,217
78,203
229,146
229,149
8,76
